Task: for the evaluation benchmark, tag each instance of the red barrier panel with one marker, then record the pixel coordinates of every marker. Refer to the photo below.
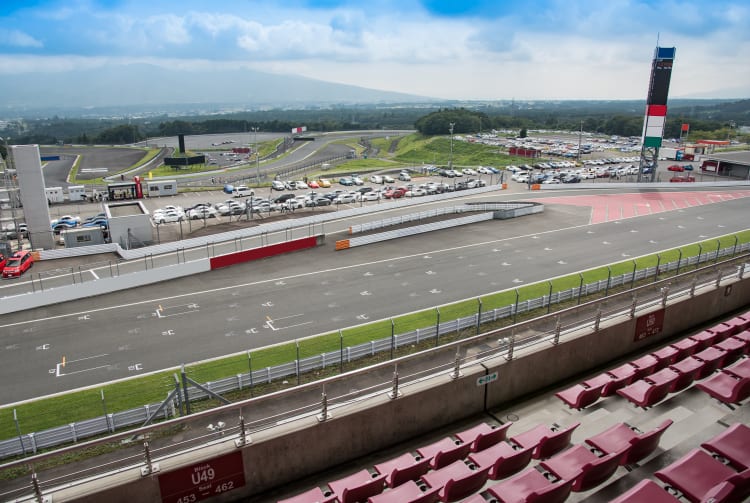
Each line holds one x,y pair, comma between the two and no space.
263,252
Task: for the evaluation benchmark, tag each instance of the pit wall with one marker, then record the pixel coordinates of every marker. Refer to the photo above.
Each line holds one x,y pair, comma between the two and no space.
301,448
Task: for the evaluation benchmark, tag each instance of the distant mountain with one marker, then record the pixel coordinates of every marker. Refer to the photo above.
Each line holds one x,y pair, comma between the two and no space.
142,84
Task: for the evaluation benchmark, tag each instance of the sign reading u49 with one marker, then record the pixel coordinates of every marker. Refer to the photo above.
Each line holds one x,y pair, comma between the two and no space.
203,480
649,325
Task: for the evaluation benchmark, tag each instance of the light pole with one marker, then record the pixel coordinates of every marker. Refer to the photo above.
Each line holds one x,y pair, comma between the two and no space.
450,161
580,133
257,154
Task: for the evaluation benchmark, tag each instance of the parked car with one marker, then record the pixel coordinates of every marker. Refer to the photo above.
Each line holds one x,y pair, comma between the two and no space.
371,196
388,179
61,225
404,176
676,167
313,184
278,185
415,192
202,212
168,217
17,264
67,218
469,171
346,181
324,183
300,185
284,198
2,262
357,180
243,191
99,222
376,179
344,199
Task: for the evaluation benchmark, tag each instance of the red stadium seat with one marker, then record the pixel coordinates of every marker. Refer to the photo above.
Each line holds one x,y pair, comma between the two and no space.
695,474
455,481
502,459
358,486
733,349
637,445
531,486
687,369
732,444
585,468
408,492
402,468
646,491
545,440
483,435
444,452
645,394
726,387
580,395
666,356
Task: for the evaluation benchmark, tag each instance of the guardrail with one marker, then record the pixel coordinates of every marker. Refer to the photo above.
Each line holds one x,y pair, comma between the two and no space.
29,443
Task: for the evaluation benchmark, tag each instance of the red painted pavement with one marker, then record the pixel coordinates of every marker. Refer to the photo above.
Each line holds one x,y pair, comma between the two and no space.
609,207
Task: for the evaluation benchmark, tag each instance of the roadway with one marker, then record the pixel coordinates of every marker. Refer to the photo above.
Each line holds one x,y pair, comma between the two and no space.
294,296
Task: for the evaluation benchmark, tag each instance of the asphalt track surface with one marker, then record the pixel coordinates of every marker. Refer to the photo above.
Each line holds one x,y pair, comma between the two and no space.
247,306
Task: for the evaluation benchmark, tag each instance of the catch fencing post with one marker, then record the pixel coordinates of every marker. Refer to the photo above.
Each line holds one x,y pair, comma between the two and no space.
394,393
437,326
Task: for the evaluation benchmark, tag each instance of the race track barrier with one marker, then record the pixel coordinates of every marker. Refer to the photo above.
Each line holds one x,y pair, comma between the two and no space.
229,259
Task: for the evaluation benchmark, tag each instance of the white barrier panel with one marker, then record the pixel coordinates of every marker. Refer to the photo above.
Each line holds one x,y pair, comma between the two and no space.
419,229
102,286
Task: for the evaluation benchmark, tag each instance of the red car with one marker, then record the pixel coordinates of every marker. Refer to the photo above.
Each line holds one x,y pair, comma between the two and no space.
2,261
679,179
676,167
17,264
394,193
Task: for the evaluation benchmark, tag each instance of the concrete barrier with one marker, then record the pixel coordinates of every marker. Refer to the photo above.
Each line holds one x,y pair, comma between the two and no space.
229,259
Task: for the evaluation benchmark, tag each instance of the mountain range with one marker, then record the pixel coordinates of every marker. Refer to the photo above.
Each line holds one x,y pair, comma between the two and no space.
143,84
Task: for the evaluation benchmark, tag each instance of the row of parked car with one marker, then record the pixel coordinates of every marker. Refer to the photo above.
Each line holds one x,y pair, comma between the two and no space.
17,264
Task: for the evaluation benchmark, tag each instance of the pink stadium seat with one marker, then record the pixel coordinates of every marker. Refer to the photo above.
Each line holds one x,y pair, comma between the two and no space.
646,491
726,387
686,347
621,376
531,486
455,481
402,468
314,495
738,324
545,440
706,338
644,366
408,492
599,381
732,444
735,489
502,459
740,369
666,356
358,486
483,435
695,474
580,396
712,358
645,394
687,369
444,452
744,337
585,468
637,445
733,349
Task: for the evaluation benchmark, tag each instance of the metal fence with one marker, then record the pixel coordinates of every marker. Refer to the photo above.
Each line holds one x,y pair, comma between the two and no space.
29,443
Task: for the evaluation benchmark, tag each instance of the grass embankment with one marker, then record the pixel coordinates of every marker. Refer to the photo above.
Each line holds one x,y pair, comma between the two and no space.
76,406
148,155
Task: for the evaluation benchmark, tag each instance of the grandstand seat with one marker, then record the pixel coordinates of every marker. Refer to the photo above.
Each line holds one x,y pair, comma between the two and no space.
621,376
455,481
644,366
477,498
644,393
733,444
666,356
408,492
740,369
695,474
738,324
646,491
724,330
688,369
712,358
735,489
744,337
531,486
444,452
580,395
545,440
483,435
733,348
585,468
402,468
707,338
686,347
637,445
599,381
726,387
502,459
314,495
358,486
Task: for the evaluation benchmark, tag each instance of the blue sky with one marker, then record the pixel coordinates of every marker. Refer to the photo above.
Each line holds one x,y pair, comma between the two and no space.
533,49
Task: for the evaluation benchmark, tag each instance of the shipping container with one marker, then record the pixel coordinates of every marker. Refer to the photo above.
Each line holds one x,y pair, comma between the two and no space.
158,188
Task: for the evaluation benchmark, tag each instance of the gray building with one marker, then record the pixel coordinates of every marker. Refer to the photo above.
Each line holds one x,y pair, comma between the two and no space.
129,224
28,166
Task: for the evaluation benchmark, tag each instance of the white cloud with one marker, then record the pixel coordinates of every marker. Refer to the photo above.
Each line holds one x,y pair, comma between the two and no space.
16,38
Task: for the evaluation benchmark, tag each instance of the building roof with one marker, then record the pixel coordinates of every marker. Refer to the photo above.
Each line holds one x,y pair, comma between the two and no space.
740,157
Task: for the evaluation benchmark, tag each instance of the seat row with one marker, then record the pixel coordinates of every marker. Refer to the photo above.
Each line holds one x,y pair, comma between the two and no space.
731,385
579,468
718,472
694,357
458,466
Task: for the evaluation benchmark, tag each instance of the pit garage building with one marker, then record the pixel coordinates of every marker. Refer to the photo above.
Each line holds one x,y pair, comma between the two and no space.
731,164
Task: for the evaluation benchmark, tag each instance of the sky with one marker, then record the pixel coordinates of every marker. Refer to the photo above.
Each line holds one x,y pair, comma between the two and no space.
463,50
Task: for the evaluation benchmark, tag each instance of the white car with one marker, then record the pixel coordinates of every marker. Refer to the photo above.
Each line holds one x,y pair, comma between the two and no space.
66,217
388,179
168,217
404,176
344,199
357,180
278,185
202,212
376,179
371,196
469,171
415,192
300,185
484,171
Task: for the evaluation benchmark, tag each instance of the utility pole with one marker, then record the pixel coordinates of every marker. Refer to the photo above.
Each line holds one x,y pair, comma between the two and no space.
257,154
580,133
450,162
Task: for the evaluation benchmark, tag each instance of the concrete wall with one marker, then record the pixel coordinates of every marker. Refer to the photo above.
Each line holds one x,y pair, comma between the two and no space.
301,448
31,185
